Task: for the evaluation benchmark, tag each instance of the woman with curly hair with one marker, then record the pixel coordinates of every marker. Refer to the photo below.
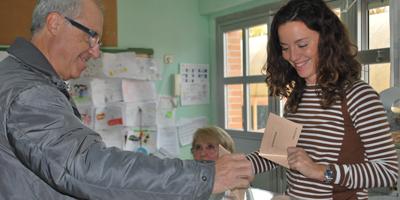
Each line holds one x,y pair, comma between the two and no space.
345,146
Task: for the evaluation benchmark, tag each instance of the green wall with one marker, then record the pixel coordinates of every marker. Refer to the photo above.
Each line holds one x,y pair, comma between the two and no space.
169,27
172,27
222,7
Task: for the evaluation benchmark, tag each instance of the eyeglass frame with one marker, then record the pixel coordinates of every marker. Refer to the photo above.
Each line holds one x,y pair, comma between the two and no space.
214,149
93,35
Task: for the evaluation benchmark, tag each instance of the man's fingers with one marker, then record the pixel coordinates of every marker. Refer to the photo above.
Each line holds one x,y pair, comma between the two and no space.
232,171
241,184
234,156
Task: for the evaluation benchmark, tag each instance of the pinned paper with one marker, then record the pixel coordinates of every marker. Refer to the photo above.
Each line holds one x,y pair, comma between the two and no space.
194,84
165,111
140,140
279,134
187,127
3,54
167,138
87,115
138,91
123,65
126,114
94,68
128,65
96,92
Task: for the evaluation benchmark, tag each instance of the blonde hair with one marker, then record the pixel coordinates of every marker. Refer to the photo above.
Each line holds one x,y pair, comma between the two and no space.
214,133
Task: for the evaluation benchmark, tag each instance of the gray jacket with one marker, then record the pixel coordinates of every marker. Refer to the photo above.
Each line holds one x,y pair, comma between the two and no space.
47,153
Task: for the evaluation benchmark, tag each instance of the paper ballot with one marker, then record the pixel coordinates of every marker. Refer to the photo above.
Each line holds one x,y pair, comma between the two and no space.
279,134
237,194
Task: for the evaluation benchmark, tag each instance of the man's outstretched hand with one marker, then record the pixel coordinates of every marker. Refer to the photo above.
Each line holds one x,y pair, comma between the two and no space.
232,171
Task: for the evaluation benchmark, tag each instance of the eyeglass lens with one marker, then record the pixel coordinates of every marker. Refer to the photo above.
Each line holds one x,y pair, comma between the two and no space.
94,39
208,147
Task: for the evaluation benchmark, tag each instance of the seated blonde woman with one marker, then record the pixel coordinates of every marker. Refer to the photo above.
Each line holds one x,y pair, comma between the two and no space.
206,141
205,146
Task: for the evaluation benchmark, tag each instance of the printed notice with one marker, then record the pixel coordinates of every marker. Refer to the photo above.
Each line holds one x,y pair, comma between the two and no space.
194,84
279,134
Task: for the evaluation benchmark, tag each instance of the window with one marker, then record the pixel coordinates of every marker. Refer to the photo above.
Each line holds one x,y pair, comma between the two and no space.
245,64
242,41
372,24
373,38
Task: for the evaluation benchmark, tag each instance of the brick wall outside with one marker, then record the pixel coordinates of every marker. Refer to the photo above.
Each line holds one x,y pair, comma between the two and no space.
234,68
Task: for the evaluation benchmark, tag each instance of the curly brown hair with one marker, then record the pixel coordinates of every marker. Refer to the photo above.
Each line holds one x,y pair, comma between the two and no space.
337,69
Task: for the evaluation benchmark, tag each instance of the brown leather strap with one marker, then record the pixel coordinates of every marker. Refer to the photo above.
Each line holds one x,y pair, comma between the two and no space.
351,152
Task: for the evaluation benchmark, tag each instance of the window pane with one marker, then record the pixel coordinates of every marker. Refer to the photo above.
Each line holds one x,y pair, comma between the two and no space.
379,76
379,28
233,53
258,108
257,48
234,106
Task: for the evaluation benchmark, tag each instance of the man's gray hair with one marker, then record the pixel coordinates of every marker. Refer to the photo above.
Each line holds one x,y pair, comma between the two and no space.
68,8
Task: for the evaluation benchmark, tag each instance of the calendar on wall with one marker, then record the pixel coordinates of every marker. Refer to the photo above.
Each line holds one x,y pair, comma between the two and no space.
194,84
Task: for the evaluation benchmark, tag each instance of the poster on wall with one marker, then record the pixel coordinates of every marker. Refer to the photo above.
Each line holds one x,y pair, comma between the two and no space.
194,84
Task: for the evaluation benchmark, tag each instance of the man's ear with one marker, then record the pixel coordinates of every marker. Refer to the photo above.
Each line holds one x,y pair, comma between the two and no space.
54,22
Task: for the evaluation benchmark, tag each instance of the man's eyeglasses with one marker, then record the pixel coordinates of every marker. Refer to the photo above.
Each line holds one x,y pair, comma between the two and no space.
94,39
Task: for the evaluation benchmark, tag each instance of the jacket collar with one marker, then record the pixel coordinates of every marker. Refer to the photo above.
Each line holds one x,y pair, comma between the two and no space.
32,57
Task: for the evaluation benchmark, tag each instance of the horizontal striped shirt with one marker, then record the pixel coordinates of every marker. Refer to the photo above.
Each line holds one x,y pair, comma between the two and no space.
322,136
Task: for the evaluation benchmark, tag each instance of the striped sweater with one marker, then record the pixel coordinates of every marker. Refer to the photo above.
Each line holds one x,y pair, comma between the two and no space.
322,136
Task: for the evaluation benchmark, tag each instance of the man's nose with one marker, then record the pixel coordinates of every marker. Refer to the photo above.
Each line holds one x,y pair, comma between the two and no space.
95,52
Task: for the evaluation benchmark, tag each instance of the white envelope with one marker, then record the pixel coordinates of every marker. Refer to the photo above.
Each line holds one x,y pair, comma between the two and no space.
279,134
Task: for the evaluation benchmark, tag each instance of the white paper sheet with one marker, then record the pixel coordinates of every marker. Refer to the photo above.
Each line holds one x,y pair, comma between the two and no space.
187,127
126,114
167,138
97,92
3,54
94,68
147,117
138,91
143,141
87,115
194,84
107,117
166,111
279,134
128,65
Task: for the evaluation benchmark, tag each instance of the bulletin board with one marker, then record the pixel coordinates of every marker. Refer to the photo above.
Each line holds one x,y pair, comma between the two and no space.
16,18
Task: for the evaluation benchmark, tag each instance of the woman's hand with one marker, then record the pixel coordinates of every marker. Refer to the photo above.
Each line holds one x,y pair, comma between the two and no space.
299,160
